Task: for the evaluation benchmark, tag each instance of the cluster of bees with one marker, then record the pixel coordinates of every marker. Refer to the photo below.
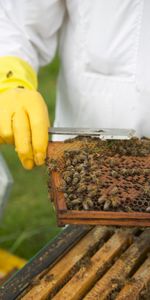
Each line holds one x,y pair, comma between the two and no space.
112,177
132,147
80,179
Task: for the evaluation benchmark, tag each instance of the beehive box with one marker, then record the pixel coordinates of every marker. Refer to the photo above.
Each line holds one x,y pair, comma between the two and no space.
105,263
100,182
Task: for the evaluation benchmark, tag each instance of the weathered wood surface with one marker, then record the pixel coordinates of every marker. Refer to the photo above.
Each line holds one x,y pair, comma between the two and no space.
43,260
119,272
137,284
104,263
84,279
60,273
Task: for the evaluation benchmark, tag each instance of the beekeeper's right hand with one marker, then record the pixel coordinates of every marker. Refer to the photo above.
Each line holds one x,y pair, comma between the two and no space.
23,113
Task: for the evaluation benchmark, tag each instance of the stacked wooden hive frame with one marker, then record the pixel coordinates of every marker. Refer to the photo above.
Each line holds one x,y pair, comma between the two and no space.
104,264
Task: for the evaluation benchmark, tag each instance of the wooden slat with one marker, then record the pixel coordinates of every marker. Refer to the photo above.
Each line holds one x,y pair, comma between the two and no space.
138,282
103,215
121,269
84,279
3,279
61,204
42,261
107,222
60,272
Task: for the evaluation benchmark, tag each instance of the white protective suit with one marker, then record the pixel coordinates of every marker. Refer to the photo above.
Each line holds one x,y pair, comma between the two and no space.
104,46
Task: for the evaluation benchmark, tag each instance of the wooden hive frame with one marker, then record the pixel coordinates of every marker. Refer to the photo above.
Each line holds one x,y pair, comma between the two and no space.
86,263
65,216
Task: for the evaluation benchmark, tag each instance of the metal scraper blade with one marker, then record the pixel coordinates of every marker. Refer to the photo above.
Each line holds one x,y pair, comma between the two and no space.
102,133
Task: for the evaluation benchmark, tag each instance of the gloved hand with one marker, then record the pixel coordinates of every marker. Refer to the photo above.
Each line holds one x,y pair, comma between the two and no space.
23,117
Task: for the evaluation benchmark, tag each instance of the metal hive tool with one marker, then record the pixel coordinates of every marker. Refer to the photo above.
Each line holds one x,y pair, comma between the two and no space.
102,133
124,178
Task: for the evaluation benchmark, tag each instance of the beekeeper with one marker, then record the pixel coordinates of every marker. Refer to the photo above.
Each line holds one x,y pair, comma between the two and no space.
104,80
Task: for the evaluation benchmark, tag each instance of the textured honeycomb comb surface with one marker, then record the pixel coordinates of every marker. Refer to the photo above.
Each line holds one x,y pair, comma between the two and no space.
114,175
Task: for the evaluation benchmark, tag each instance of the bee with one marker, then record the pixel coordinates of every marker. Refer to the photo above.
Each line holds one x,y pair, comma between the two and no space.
92,193
68,179
63,186
76,201
85,205
94,178
70,189
74,162
75,180
81,188
79,167
101,199
68,173
66,155
128,209
146,190
124,171
86,165
115,202
87,178
144,152
52,164
148,209
89,202
68,162
82,158
107,205
114,174
66,195
112,162
62,189
83,173
93,168
146,171
98,173
76,175
114,191
71,196
49,277
90,187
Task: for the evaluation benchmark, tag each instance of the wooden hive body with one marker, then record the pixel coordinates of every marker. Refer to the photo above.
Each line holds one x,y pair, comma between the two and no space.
101,263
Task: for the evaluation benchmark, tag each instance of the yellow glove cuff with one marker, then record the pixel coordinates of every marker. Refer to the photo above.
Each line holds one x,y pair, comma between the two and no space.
15,72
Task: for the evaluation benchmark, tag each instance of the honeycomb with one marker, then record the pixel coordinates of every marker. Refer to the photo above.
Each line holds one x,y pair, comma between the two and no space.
104,175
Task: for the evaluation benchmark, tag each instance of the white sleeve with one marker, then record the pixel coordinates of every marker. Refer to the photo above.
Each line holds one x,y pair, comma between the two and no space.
29,29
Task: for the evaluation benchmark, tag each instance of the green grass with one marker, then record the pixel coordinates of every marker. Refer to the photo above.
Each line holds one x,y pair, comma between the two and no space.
29,221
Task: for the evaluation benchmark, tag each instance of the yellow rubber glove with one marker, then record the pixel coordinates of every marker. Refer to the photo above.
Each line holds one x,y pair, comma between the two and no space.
24,118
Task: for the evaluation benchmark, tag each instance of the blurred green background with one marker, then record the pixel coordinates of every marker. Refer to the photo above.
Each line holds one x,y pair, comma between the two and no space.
29,220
